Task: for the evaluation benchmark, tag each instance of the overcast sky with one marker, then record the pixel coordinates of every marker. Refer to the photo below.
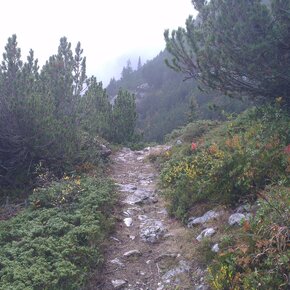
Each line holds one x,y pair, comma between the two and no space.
110,31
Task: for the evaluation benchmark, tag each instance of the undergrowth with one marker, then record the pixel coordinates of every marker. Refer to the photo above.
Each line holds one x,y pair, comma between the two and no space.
230,163
56,243
258,256
246,159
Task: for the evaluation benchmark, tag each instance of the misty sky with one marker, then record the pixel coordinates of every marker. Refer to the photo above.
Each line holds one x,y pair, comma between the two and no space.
110,31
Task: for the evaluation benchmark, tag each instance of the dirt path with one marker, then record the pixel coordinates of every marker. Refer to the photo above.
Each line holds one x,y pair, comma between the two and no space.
149,250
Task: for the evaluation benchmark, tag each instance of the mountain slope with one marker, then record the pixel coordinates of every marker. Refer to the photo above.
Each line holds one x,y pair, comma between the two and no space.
166,101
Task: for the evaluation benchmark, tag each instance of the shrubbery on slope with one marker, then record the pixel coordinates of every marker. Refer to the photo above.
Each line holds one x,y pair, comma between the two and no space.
57,242
244,159
231,163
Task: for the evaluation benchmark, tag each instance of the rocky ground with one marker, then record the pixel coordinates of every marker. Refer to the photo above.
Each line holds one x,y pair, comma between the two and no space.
149,250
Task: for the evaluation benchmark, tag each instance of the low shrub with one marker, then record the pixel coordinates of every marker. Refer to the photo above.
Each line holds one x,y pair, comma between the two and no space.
231,163
259,256
57,242
192,130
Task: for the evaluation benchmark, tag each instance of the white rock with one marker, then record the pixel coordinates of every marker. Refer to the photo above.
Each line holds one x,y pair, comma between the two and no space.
206,234
117,262
118,284
215,248
203,219
238,218
132,237
128,221
132,253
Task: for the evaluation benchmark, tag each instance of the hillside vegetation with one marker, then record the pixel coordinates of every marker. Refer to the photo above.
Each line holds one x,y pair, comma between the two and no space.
228,130
166,101
241,161
56,204
238,48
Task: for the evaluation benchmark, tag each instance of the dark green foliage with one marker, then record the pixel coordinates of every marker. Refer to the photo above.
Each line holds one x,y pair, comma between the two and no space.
98,117
124,117
237,47
163,99
38,112
96,111
43,115
56,242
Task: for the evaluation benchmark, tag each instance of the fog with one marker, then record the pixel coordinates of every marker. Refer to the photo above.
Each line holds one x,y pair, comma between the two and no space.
110,31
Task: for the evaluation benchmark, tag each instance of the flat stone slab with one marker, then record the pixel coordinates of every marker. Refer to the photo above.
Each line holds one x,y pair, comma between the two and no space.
139,197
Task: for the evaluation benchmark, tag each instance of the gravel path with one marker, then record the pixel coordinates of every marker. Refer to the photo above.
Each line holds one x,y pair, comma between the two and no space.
149,249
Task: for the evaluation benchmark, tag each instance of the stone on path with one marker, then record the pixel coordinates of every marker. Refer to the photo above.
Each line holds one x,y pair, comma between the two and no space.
152,230
119,283
117,262
128,221
132,253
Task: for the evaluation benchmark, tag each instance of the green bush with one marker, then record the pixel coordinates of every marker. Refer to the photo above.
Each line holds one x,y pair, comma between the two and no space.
231,163
260,256
57,242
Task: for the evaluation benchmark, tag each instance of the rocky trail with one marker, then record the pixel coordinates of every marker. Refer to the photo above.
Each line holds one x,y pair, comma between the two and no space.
149,250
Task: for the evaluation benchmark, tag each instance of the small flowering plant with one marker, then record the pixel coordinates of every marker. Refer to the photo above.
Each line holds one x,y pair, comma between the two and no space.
193,146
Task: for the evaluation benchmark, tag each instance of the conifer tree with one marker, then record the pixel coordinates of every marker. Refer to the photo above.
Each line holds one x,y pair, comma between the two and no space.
237,47
96,110
124,117
139,63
